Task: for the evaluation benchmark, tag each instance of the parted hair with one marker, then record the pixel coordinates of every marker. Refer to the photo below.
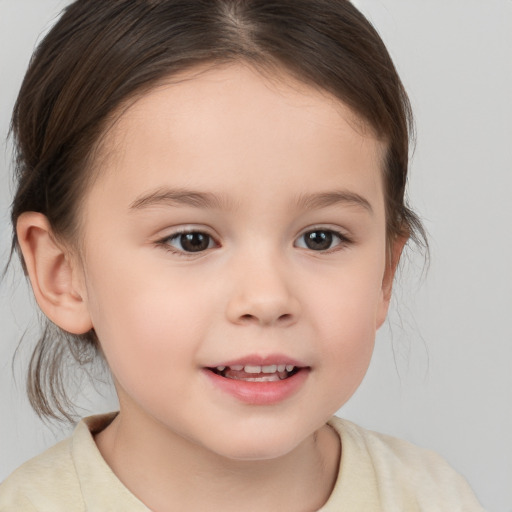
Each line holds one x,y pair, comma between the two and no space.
102,53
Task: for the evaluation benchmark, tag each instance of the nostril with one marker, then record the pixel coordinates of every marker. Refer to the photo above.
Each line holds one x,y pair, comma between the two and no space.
284,318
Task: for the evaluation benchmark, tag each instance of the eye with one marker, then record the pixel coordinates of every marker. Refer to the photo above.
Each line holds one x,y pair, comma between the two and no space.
321,239
191,241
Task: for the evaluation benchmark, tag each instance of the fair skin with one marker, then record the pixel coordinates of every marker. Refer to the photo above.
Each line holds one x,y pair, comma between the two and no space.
282,186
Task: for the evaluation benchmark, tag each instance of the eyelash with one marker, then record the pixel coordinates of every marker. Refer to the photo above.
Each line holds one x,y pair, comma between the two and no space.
343,241
165,242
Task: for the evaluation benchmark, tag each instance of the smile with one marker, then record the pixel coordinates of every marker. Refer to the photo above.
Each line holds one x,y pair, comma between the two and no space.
259,381
256,373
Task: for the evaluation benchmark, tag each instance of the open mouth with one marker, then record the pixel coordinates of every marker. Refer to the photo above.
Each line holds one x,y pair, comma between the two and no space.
254,373
266,383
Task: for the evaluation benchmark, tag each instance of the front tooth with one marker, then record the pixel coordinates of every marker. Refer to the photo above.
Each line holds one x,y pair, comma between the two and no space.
252,369
269,369
237,367
281,368
289,367
221,368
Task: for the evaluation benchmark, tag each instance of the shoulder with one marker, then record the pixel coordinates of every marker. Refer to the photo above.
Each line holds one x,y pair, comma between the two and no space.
405,476
42,483
70,477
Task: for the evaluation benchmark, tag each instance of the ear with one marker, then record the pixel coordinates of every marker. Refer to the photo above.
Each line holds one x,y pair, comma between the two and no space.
393,257
54,277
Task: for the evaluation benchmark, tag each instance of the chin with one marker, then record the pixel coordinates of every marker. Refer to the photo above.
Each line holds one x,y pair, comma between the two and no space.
257,445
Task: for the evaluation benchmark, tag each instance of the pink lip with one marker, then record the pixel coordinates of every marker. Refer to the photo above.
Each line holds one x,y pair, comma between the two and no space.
258,360
260,393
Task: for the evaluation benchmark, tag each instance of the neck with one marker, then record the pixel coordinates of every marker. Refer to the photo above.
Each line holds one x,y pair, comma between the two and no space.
168,472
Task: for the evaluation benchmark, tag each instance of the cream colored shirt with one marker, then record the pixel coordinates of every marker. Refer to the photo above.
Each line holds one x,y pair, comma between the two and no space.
377,473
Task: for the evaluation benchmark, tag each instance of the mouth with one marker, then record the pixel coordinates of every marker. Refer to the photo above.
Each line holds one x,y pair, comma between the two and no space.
257,380
257,373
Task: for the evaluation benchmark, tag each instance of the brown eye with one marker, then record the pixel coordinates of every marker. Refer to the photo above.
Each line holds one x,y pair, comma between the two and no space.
320,240
194,241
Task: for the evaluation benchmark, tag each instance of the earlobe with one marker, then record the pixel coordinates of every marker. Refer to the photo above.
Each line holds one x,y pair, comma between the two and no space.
395,251
52,274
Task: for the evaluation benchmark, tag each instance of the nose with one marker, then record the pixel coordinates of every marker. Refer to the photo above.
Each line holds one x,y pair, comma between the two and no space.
262,293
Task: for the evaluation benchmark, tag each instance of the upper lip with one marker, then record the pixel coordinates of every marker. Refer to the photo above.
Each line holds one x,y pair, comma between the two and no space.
259,360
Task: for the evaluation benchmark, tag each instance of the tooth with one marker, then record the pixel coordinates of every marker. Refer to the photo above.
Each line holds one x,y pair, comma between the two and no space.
289,367
269,369
237,367
266,378
221,368
252,369
281,368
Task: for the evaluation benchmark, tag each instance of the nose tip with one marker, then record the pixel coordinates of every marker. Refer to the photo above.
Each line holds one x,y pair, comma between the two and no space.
263,298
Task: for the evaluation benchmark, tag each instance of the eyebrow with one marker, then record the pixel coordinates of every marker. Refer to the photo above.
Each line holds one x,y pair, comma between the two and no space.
325,199
176,197
207,200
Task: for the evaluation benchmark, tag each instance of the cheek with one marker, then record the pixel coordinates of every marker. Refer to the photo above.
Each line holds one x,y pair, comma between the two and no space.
347,348
345,315
350,300
146,324
348,333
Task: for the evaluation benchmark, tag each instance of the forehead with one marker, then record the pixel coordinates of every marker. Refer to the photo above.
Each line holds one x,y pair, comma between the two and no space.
240,86
209,121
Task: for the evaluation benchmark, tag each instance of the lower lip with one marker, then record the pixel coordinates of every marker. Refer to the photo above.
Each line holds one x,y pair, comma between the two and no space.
259,393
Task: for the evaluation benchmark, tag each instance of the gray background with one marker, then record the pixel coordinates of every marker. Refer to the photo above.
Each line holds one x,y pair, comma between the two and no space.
442,372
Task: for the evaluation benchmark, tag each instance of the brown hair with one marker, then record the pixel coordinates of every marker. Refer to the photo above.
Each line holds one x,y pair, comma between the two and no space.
101,53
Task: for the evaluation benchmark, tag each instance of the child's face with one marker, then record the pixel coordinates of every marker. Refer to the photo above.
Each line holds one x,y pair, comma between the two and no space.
283,190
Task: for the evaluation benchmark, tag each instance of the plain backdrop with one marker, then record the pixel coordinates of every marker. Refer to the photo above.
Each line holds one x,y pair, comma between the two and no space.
442,371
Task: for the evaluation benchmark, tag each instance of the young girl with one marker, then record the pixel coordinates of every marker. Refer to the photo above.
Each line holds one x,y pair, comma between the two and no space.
211,199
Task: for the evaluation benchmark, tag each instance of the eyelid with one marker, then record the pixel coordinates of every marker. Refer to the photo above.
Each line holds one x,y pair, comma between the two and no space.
163,241
342,232
344,238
